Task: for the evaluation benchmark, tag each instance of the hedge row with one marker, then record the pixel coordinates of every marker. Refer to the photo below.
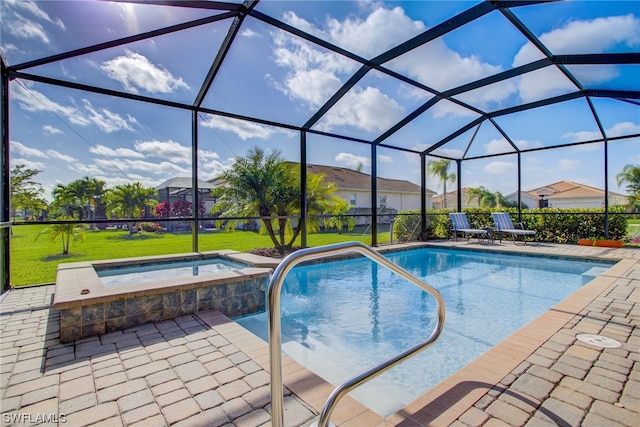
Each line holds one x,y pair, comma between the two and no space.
551,225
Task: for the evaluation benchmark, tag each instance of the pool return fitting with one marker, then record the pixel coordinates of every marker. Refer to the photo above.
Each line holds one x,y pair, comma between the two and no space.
275,337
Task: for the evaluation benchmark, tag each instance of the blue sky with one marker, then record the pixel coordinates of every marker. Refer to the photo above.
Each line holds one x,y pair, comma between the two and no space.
273,75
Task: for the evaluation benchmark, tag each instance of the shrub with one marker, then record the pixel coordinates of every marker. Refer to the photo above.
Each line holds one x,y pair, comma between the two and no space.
407,226
149,227
550,224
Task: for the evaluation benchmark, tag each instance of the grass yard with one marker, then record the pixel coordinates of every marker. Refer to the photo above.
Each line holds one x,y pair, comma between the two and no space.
36,261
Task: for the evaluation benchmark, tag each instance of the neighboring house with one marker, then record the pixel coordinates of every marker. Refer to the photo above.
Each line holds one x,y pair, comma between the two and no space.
567,194
452,200
179,188
355,188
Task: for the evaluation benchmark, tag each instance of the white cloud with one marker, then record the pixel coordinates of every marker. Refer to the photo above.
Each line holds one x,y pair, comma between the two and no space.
23,150
484,97
213,168
135,71
619,129
501,145
444,108
53,154
455,153
165,149
26,29
352,160
568,164
33,101
385,159
249,33
313,86
48,129
28,163
244,129
496,146
367,109
115,152
623,128
127,165
499,168
87,170
9,48
576,37
204,155
34,9
437,66
381,30
106,120
314,75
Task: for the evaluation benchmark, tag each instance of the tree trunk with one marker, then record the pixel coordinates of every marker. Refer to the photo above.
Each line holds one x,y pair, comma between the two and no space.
272,234
444,194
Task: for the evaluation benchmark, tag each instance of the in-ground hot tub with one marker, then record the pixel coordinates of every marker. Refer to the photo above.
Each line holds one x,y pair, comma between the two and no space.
234,286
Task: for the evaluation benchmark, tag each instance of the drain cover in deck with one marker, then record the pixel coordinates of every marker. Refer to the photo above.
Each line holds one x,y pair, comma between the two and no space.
598,340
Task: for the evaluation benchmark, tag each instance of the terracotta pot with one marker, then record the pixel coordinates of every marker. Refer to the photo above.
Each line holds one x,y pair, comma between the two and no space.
609,243
600,243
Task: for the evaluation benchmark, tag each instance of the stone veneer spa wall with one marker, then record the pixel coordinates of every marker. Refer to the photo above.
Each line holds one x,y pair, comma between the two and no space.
87,308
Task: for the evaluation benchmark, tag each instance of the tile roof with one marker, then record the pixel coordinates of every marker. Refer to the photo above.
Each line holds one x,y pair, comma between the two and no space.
353,180
566,189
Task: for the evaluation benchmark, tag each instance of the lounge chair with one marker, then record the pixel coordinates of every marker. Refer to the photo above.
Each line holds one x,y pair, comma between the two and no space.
504,224
461,225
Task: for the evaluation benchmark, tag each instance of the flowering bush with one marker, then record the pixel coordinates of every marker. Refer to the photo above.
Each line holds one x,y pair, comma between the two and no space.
163,210
632,238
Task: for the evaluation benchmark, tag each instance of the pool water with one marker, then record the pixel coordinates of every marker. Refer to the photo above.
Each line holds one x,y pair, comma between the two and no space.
343,317
165,270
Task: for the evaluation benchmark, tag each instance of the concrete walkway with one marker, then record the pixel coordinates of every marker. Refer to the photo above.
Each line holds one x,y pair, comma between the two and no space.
205,370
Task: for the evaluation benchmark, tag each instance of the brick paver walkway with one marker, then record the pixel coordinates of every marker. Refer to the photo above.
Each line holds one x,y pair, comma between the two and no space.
191,371
180,372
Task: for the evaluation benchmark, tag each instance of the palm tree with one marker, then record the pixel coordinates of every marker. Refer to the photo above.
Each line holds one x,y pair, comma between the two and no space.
339,220
65,233
129,201
265,185
631,175
321,199
94,192
64,199
475,193
440,169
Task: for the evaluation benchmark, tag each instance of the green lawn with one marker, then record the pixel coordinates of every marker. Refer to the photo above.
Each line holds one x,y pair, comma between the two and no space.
36,261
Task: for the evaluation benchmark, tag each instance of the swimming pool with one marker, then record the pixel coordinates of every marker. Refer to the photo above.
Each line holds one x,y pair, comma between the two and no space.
342,317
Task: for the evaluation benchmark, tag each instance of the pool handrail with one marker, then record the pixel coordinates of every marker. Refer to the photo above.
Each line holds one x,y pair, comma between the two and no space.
274,326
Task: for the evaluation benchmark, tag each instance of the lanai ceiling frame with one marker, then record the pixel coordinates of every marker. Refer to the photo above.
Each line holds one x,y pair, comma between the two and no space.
237,13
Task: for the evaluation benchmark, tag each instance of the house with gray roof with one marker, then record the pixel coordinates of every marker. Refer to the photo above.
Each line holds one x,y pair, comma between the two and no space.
355,188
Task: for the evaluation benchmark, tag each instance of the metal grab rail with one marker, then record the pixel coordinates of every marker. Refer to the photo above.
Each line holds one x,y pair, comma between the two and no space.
275,345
